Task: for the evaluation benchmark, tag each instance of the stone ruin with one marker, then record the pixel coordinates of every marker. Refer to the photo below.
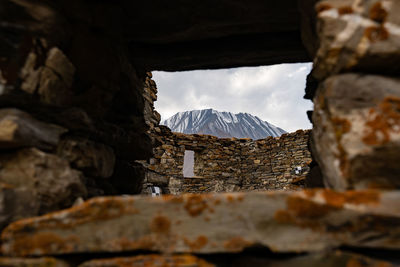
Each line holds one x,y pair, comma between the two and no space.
227,164
77,122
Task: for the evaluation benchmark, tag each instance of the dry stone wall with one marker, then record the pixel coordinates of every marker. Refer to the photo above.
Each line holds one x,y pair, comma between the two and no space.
228,164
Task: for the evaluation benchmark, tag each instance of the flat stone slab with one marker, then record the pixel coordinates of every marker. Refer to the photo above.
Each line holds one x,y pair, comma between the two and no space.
33,262
283,221
329,259
153,260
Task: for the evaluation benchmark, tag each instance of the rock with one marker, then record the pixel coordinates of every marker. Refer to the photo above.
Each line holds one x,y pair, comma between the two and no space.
356,135
94,159
33,262
16,203
327,259
149,260
56,78
299,221
60,64
156,178
50,179
362,36
19,129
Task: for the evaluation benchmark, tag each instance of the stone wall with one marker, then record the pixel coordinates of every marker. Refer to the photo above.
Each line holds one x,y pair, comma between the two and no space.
73,122
227,164
73,112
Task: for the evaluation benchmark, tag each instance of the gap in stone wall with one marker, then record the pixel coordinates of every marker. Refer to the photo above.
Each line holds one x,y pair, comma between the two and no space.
229,164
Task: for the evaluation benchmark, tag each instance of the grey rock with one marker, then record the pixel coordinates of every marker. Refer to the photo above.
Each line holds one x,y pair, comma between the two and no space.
94,159
19,129
356,135
51,180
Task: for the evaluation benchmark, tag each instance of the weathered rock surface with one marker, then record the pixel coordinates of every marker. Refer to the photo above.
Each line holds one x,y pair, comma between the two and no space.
356,135
304,221
149,260
51,180
362,36
181,36
19,129
94,159
16,203
328,259
33,262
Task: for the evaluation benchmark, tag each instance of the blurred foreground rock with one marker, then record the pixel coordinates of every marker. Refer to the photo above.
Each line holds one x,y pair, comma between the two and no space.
356,133
304,221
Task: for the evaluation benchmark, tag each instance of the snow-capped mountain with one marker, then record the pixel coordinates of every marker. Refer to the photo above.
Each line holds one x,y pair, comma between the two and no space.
221,124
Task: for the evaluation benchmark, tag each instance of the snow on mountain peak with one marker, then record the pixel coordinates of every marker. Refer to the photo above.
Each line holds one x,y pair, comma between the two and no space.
222,124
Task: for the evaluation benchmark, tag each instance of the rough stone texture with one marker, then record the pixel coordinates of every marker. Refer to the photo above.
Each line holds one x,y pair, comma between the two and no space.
94,159
50,179
82,65
356,117
150,260
16,203
34,262
302,221
227,164
329,259
19,129
356,132
358,35
181,36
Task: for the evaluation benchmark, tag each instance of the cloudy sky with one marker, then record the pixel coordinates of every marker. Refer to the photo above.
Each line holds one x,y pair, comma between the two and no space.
272,93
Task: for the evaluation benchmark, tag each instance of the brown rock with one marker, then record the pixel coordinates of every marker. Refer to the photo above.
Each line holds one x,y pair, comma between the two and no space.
328,259
302,221
19,129
94,159
356,135
149,260
34,262
50,179
16,203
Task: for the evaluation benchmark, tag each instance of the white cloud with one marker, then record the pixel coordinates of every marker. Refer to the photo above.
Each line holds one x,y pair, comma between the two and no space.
273,93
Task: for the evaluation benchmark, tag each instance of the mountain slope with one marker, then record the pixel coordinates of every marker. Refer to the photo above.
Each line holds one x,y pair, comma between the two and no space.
221,124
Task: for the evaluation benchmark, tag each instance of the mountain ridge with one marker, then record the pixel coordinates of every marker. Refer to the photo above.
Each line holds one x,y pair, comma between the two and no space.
222,124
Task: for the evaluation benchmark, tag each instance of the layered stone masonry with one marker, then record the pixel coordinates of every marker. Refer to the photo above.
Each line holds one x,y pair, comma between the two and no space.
227,164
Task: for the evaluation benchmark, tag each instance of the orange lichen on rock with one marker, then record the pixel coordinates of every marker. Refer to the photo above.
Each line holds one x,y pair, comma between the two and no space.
197,244
323,7
96,209
160,224
345,10
375,34
341,127
144,243
303,212
363,262
150,260
236,244
173,198
44,243
378,13
195,205
304,208
338,199
383,120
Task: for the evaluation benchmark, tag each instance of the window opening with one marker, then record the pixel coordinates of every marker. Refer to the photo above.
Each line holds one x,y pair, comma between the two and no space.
188,164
